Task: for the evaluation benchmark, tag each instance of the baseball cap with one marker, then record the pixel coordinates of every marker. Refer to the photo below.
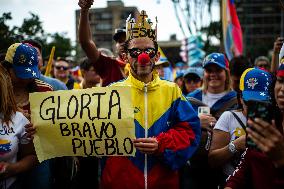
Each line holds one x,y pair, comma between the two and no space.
218,59
162,61
255,84
194,70
180,64
280,71
23,58
118,33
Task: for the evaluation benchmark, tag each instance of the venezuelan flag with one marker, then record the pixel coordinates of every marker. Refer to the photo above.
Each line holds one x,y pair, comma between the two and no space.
232,32
5,146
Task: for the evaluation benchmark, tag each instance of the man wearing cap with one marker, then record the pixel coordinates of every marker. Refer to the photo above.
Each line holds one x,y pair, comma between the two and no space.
21,62
160,65
109,69
167,129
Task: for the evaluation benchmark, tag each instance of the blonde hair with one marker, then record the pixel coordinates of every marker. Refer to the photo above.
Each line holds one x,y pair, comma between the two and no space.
8,106
228,86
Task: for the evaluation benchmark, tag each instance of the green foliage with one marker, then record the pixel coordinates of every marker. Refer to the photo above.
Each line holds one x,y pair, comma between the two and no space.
62,45
32,28
213,30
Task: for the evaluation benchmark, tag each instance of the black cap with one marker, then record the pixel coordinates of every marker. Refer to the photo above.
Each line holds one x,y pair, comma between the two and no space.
118,33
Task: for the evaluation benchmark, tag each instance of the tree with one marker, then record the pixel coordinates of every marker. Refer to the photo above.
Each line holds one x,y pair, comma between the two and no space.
7,35
63,46
32,28
212,31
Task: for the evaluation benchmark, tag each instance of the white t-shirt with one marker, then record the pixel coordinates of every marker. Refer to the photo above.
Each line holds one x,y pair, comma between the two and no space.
210,99
228,123
10,138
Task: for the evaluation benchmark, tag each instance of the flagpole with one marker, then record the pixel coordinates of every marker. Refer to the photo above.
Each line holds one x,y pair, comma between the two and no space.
49,64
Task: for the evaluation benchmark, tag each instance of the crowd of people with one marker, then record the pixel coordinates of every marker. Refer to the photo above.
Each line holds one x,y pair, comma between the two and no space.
193,132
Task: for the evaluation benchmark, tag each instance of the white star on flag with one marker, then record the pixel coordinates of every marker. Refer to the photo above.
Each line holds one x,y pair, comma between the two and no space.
30,62
262,93
28,70
32,57
265,88
34,74
267,83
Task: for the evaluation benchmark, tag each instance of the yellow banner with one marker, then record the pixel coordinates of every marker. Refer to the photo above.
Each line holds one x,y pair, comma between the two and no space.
87,122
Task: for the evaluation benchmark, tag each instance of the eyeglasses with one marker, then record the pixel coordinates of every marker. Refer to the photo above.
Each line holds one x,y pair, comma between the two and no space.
61,68
135,52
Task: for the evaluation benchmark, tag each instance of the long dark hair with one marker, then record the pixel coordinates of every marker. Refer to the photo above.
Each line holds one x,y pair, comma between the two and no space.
8,106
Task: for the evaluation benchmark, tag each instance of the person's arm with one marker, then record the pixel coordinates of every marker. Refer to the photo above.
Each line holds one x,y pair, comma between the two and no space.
85,34
219,153
27,161
275,55
268,139
180,142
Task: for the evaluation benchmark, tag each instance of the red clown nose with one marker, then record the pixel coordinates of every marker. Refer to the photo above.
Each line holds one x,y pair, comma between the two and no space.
143,58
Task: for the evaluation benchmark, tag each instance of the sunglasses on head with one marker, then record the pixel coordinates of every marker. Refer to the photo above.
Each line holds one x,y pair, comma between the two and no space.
61,67
135,52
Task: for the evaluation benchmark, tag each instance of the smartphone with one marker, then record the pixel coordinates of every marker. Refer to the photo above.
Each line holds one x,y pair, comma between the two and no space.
258,109
203,110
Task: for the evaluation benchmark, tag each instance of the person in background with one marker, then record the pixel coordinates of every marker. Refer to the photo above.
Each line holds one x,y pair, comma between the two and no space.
159,66
262,62
90,77
229,133
62,73
55,83
263,168
275,61
179,79
21,62
237,66
192,79
17,152
109,69
216,93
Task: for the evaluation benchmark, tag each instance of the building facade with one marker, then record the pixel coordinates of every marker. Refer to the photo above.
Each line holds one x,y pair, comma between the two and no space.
262,21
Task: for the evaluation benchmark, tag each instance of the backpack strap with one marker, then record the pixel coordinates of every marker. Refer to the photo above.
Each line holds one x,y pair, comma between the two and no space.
225,107
195,101
239,120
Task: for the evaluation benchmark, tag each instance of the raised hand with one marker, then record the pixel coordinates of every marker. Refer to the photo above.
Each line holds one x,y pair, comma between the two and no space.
268,139
85,4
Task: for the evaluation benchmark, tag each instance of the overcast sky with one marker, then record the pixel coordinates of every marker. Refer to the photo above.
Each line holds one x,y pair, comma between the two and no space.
59,15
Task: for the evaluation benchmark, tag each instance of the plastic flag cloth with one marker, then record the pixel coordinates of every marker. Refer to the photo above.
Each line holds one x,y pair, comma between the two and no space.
49,64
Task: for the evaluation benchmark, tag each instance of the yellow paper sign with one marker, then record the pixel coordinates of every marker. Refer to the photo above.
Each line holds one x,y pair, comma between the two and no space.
87,122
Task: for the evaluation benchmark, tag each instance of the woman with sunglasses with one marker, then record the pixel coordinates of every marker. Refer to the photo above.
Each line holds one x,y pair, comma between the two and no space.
263,168
16,150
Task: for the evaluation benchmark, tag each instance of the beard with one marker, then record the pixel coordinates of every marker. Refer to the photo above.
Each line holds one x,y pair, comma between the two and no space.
142,70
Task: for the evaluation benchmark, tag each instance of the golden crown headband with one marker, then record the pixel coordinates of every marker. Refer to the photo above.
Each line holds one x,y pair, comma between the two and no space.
141,27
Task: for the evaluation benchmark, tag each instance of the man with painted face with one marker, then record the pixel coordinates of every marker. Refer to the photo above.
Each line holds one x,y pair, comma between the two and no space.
167,128
108,68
